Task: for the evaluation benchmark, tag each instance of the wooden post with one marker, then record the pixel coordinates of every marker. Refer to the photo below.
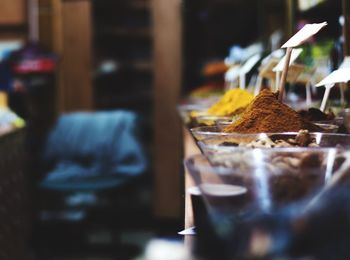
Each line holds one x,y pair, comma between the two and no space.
346,13
33,20
346,30
13,12
284,75
168,184
290,9
75,92
65,28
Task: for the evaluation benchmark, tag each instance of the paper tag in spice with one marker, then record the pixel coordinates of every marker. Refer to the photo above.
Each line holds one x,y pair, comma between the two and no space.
246,68
250,63
345,63
305,33
337,76
232,74
188,232
295,54
295,70
307,76
266,69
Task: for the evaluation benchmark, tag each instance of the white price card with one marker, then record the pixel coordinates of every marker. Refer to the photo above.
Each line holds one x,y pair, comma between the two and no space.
304,34
294,72
345,63
250,63
231,76
295,54
337,76
246,68
266,69
188,232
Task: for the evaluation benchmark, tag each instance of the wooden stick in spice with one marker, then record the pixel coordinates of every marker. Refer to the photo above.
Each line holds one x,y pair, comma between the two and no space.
300,37
325,97
284,74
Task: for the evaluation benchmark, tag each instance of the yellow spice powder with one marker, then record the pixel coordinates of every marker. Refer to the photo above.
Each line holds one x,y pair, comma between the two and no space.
232,103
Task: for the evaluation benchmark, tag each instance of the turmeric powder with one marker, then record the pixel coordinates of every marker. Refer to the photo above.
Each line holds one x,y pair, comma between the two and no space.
232,103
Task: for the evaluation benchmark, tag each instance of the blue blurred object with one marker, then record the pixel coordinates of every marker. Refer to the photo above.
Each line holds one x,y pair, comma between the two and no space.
238,55
5,77
92,151
95,169
6,49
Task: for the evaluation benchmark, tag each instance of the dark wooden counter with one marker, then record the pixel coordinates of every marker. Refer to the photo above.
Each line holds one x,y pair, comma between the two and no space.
14,217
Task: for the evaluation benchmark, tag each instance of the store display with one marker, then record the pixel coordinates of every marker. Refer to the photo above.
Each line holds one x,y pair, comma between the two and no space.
281,149
265,152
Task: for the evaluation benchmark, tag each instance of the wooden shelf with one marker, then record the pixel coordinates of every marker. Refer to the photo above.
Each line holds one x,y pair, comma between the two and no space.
141,65
125,32
13,12
142,101
140,4
65,28
136,5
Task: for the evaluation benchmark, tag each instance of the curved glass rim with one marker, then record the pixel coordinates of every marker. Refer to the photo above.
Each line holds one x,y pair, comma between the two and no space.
221,169
317,135
213,117
199,130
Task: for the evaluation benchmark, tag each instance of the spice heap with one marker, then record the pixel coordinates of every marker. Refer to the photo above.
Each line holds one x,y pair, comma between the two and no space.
232,103
314,114
266,114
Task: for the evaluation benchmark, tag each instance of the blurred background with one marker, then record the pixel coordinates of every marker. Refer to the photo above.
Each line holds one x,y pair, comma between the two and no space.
91,141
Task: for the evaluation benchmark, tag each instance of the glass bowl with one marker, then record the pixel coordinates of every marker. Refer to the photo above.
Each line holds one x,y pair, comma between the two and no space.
230,142
250,183
221,124
336,121
257,180
328,128
346,115
204,132
189,112
208,120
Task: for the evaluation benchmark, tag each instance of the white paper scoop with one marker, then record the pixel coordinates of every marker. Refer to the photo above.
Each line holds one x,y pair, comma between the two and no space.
246,68
304,34
337,76
279,67
295,54
300,37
